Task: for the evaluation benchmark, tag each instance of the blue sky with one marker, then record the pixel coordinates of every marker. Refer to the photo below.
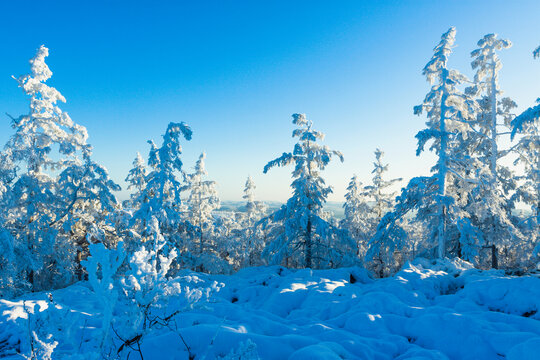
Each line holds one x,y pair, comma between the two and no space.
236,71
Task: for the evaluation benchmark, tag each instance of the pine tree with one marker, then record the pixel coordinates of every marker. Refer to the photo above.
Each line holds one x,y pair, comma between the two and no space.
450,114
254,209
489,208
136,179
491,106
160,198
438,200
383,201
33,200
202,201
358,221
252,236
86,193
526,129
306,238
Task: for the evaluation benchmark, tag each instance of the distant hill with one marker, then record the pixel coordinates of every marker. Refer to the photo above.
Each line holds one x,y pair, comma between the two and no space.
335,207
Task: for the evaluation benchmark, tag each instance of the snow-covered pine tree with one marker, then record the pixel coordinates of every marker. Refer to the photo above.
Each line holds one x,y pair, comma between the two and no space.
358,220
201,202
255,210
160,198
488,206
494,111
306,238
436,199
383,200
450,114
526,130
136,180
88,206
252,236
46,141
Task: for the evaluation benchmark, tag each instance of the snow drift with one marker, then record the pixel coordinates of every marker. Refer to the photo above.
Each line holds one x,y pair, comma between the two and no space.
428,310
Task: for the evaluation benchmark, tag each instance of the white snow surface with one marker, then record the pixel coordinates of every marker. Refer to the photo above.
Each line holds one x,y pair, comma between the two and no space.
428,310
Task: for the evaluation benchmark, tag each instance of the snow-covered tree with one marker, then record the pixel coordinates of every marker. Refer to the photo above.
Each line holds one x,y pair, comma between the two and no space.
149,267
88,205
201,202
136,179
437,199
526,130
306,237
488,206
383,200
254,209
450,114
493,110
358,220
527,125
252,235
46,142
160,198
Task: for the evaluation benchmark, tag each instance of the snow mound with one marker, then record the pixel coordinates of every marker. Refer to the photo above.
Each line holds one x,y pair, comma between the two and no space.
428,310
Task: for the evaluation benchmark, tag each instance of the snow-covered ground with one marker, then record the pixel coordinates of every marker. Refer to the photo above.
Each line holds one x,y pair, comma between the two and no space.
443,310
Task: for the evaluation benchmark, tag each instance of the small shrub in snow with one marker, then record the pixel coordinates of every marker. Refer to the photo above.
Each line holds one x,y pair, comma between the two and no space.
102,266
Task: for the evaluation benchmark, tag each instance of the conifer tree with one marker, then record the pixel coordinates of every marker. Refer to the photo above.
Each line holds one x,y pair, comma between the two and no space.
254,209
450,114
88,206
437,199
201,202
160,197
526,131
136,179
358,220
383,200
488,206
252,236
305,238
45,143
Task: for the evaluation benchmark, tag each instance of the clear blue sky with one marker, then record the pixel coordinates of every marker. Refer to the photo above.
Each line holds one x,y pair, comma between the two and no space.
236,71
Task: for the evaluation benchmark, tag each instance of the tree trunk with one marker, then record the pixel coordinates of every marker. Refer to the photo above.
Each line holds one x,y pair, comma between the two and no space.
308,245
78,266
442,180
494,262
30,278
